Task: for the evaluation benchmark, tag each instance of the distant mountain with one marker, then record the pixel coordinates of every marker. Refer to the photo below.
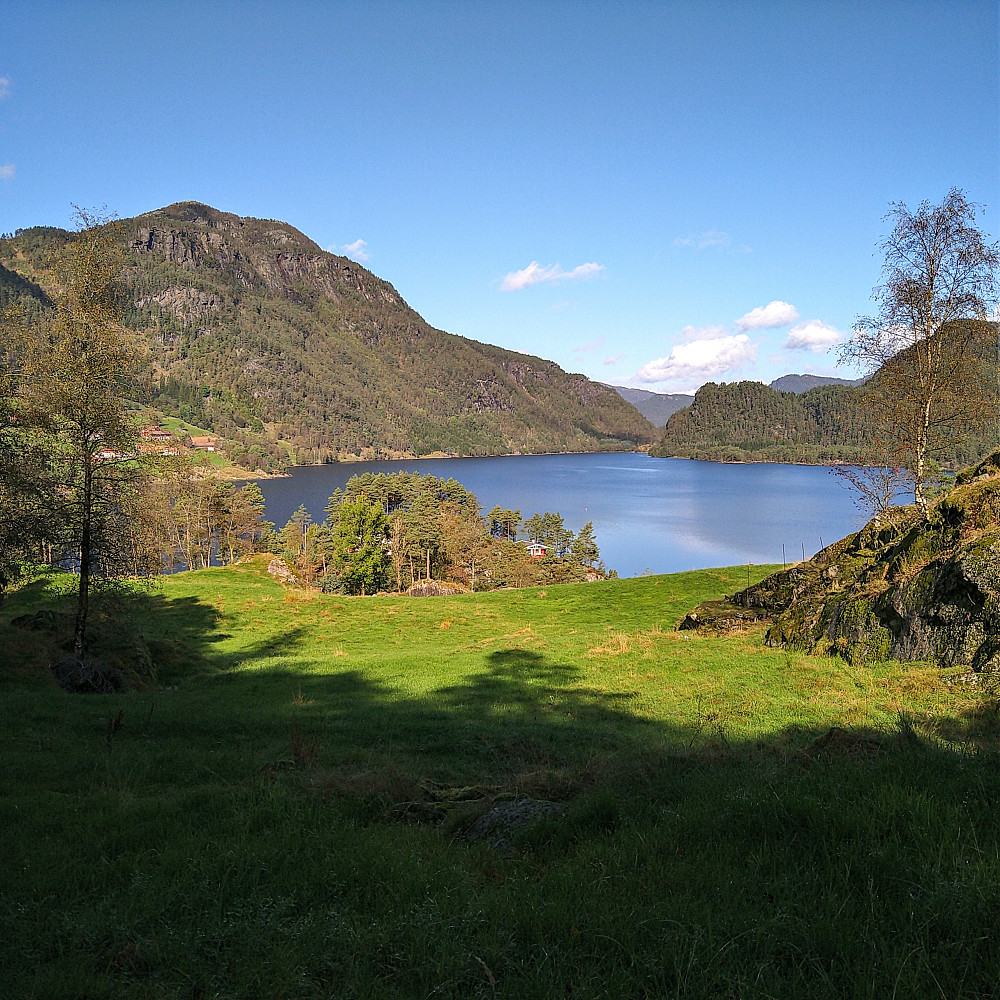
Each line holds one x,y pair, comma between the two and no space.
656,407
294,355
803,383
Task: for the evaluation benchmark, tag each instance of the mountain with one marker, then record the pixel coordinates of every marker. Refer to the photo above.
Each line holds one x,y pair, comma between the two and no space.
656,407
803,383
294,355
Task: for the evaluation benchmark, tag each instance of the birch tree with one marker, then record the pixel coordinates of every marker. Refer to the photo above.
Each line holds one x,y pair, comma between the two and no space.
932,356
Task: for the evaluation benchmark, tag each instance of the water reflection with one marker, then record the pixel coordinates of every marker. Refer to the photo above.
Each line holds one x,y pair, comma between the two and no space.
663,515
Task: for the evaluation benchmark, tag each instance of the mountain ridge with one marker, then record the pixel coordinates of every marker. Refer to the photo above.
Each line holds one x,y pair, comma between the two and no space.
295,355
803,383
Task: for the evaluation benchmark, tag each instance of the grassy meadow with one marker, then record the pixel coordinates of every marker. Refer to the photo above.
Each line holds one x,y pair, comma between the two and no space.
286,812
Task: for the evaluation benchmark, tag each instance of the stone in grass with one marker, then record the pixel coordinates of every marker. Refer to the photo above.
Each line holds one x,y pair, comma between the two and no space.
503,820
282,572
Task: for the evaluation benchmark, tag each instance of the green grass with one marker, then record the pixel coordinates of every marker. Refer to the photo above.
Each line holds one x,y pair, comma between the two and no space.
282,815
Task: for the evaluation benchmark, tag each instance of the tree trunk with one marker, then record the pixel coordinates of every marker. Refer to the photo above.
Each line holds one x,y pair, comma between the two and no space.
920,472
83,597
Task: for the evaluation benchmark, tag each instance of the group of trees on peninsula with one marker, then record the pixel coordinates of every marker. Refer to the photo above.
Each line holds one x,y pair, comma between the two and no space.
392,531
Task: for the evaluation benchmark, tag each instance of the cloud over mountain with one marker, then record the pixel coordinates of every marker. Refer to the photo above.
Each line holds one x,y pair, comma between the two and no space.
700,360
358,250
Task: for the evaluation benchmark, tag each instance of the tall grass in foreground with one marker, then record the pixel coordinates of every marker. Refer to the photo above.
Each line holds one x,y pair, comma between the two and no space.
283,816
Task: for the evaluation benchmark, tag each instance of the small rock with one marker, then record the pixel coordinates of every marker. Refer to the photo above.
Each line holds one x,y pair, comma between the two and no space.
86,675
503,819
281,571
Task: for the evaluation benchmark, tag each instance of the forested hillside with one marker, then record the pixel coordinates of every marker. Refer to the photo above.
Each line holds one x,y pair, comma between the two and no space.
296,355
748,421
751,422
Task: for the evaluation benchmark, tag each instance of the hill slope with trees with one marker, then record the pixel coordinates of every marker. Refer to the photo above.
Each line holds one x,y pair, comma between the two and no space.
294,355
748,421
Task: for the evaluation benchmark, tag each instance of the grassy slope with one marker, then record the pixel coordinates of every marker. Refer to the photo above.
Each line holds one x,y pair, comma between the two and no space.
260,825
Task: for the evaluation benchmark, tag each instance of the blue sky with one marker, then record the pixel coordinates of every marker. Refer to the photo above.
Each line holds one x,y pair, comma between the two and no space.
653,194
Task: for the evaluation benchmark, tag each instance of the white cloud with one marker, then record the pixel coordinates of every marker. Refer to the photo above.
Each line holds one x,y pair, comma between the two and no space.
774,314
592,346
710,238
614,360
813,336
699,360
4,86
7,171
358,250
534,274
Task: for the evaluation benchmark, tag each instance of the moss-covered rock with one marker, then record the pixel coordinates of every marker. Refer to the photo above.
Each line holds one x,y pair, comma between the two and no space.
910,585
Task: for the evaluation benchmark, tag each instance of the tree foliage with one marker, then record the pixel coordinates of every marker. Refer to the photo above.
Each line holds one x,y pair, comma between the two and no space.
433,529
358,543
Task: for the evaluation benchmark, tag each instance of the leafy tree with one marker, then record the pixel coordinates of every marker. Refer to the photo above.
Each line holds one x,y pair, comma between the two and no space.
939,273
466,545
76,368
424,528
358,546
510,565
504,523
583,548
24,528
241,519
400,548
302,541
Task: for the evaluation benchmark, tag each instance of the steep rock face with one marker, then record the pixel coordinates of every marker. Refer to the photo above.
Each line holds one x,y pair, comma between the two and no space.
187,304
908,586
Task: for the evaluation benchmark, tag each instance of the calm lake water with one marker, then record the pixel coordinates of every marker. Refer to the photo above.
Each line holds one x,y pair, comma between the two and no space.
657,514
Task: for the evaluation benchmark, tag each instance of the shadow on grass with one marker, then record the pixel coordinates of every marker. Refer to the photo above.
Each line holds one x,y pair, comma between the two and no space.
814,862
520,721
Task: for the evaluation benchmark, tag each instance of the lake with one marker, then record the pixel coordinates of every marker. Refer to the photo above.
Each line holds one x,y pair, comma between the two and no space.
650,514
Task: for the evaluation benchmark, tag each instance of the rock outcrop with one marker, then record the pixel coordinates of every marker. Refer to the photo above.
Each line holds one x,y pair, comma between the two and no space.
911,585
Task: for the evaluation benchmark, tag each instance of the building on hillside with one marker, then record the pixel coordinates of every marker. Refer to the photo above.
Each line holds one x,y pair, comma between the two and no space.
155,434
204,443
536,550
